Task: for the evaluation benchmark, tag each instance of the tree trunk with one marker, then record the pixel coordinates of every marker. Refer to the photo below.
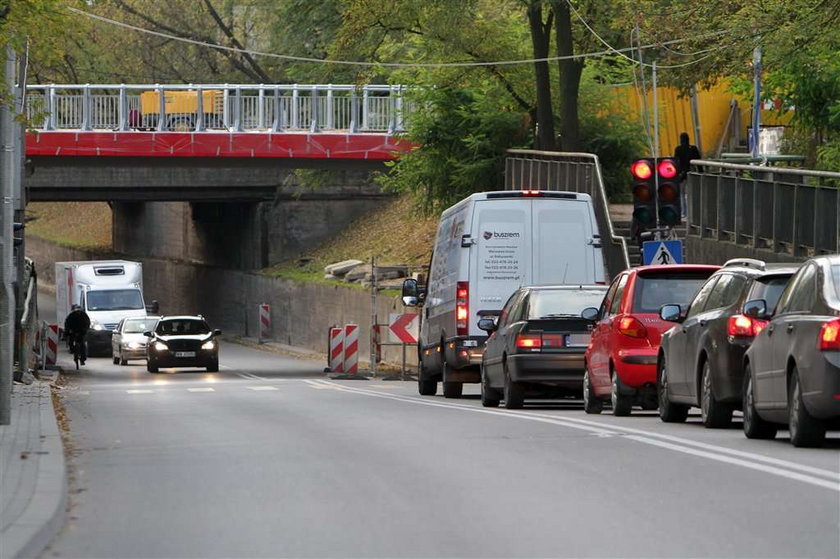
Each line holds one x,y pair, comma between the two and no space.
570,73
541,38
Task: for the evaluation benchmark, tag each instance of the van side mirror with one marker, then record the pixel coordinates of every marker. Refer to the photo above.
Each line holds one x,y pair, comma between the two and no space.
757,308
217,332
671,313
412,294
590,314
488,325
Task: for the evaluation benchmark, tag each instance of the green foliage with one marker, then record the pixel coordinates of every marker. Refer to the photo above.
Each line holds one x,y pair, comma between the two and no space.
462,135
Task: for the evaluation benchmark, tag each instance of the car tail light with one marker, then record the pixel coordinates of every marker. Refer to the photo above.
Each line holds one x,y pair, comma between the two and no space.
529,342
462,308
830,335
743,326
630,326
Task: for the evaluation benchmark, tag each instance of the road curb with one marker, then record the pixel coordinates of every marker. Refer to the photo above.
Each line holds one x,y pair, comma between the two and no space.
44,516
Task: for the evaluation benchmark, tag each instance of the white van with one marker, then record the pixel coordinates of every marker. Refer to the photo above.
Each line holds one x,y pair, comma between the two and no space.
487,246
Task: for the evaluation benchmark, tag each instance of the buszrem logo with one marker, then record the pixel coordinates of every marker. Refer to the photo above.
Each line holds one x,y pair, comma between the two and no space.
503,235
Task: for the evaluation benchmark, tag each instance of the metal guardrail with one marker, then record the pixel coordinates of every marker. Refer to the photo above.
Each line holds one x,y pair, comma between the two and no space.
218,107
573,172
787,211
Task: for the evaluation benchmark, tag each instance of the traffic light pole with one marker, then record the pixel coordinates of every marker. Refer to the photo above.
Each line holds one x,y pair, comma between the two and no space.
655,147
7,305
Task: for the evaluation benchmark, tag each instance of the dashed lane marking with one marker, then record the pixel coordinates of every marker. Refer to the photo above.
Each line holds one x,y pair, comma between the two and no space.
262,388
140,391
201,389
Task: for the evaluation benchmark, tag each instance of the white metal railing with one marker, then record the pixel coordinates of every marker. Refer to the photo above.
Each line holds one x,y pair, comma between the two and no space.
217,107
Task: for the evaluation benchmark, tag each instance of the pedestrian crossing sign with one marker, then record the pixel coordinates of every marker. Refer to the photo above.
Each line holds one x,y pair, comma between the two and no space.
662,253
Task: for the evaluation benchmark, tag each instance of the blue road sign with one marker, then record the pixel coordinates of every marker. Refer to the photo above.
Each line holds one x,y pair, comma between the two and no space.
661,253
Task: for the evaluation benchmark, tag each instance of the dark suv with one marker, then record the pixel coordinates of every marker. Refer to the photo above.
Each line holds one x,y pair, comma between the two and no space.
701,358
182,341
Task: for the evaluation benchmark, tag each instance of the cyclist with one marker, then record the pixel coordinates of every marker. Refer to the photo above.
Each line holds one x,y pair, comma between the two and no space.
76,326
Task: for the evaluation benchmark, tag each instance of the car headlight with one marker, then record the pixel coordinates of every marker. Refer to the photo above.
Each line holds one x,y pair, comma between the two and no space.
133,345
96,326
160,346
209,344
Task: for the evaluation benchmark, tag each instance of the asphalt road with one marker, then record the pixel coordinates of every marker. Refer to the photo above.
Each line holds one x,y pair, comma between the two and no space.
268,458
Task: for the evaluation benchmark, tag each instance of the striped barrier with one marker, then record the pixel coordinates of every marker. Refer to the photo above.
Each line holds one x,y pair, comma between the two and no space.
336,357
51,345
265,322
351,349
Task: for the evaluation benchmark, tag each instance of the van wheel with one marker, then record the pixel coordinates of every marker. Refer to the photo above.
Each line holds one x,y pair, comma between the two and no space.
668,412
489,396
514,393
622,404
591,403
805,429
714,414
754,426
451,389
426,387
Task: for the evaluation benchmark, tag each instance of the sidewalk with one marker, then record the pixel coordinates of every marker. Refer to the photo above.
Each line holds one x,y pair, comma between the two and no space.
33,481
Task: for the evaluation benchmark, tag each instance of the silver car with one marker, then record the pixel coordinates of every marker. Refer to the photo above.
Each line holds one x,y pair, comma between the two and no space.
128,341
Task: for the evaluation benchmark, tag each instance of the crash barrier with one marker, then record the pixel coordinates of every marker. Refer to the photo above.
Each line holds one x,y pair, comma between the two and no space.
51,345
783,210
351,349
571,172
335,357
265,322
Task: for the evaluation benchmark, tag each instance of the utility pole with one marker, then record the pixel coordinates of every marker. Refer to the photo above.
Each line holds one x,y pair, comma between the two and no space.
756,117
7,180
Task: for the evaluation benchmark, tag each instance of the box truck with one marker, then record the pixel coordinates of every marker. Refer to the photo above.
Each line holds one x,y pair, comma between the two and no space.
487,246
107,290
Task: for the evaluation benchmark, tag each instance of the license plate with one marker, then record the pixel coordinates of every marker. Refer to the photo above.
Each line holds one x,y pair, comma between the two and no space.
184,354
578,340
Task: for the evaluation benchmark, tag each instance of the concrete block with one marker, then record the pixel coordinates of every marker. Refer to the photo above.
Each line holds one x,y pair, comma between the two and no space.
341,268
358,273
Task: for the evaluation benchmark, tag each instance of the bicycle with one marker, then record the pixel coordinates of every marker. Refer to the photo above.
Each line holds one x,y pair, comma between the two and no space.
76,348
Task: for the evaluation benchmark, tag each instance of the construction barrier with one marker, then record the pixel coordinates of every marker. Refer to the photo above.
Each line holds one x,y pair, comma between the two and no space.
351,349
265,322
336,355
51,353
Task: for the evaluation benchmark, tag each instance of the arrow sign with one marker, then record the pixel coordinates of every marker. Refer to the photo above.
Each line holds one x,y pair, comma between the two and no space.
404,328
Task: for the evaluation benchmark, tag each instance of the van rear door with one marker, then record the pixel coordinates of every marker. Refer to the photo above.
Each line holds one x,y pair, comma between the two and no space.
501,261
562,249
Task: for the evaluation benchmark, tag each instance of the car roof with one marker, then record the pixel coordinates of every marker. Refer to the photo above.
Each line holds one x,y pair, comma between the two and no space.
830,259
182,317
770,270
581,287
647,270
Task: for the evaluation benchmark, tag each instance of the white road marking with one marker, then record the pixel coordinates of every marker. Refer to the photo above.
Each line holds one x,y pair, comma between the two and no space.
201,389
260,388
140,391
249,376
774,466
320,385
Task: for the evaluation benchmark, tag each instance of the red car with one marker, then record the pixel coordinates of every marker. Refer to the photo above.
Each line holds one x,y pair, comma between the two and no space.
621,358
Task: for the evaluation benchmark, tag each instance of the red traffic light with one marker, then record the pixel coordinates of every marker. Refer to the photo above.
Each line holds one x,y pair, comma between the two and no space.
667,168
641,169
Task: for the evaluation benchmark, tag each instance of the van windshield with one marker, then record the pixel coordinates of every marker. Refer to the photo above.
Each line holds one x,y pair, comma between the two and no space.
562,303
655,290
114,300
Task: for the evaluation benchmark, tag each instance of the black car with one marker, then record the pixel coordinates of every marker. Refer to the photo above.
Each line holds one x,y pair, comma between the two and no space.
701,358
182,341
792,369
537,344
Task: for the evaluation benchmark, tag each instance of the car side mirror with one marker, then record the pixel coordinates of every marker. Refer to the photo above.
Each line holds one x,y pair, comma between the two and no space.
488,325
217,332
147,334
757,308
590,314
671,313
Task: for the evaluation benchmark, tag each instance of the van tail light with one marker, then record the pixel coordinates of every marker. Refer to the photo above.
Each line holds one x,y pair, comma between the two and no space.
830,335
462,308
743,326
529,342
630,326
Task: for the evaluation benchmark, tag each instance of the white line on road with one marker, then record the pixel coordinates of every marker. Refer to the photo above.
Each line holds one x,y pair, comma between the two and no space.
140,391
261,388
249,376
782,468
201,389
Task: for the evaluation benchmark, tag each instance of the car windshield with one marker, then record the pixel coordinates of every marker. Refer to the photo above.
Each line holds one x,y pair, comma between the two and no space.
182,327
655,290
561,303
139,325
770,289
114,300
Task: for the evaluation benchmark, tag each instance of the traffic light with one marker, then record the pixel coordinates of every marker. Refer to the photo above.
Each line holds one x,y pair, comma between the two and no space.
668,194
644,202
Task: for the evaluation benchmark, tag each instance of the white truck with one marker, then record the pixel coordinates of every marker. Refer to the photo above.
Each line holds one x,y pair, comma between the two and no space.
107,290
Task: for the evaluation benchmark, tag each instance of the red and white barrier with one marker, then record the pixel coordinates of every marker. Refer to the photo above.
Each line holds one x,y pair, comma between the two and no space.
265,322
51,345
351,349
337,350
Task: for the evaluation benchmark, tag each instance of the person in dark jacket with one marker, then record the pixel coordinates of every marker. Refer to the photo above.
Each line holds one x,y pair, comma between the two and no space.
684,153
76,326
